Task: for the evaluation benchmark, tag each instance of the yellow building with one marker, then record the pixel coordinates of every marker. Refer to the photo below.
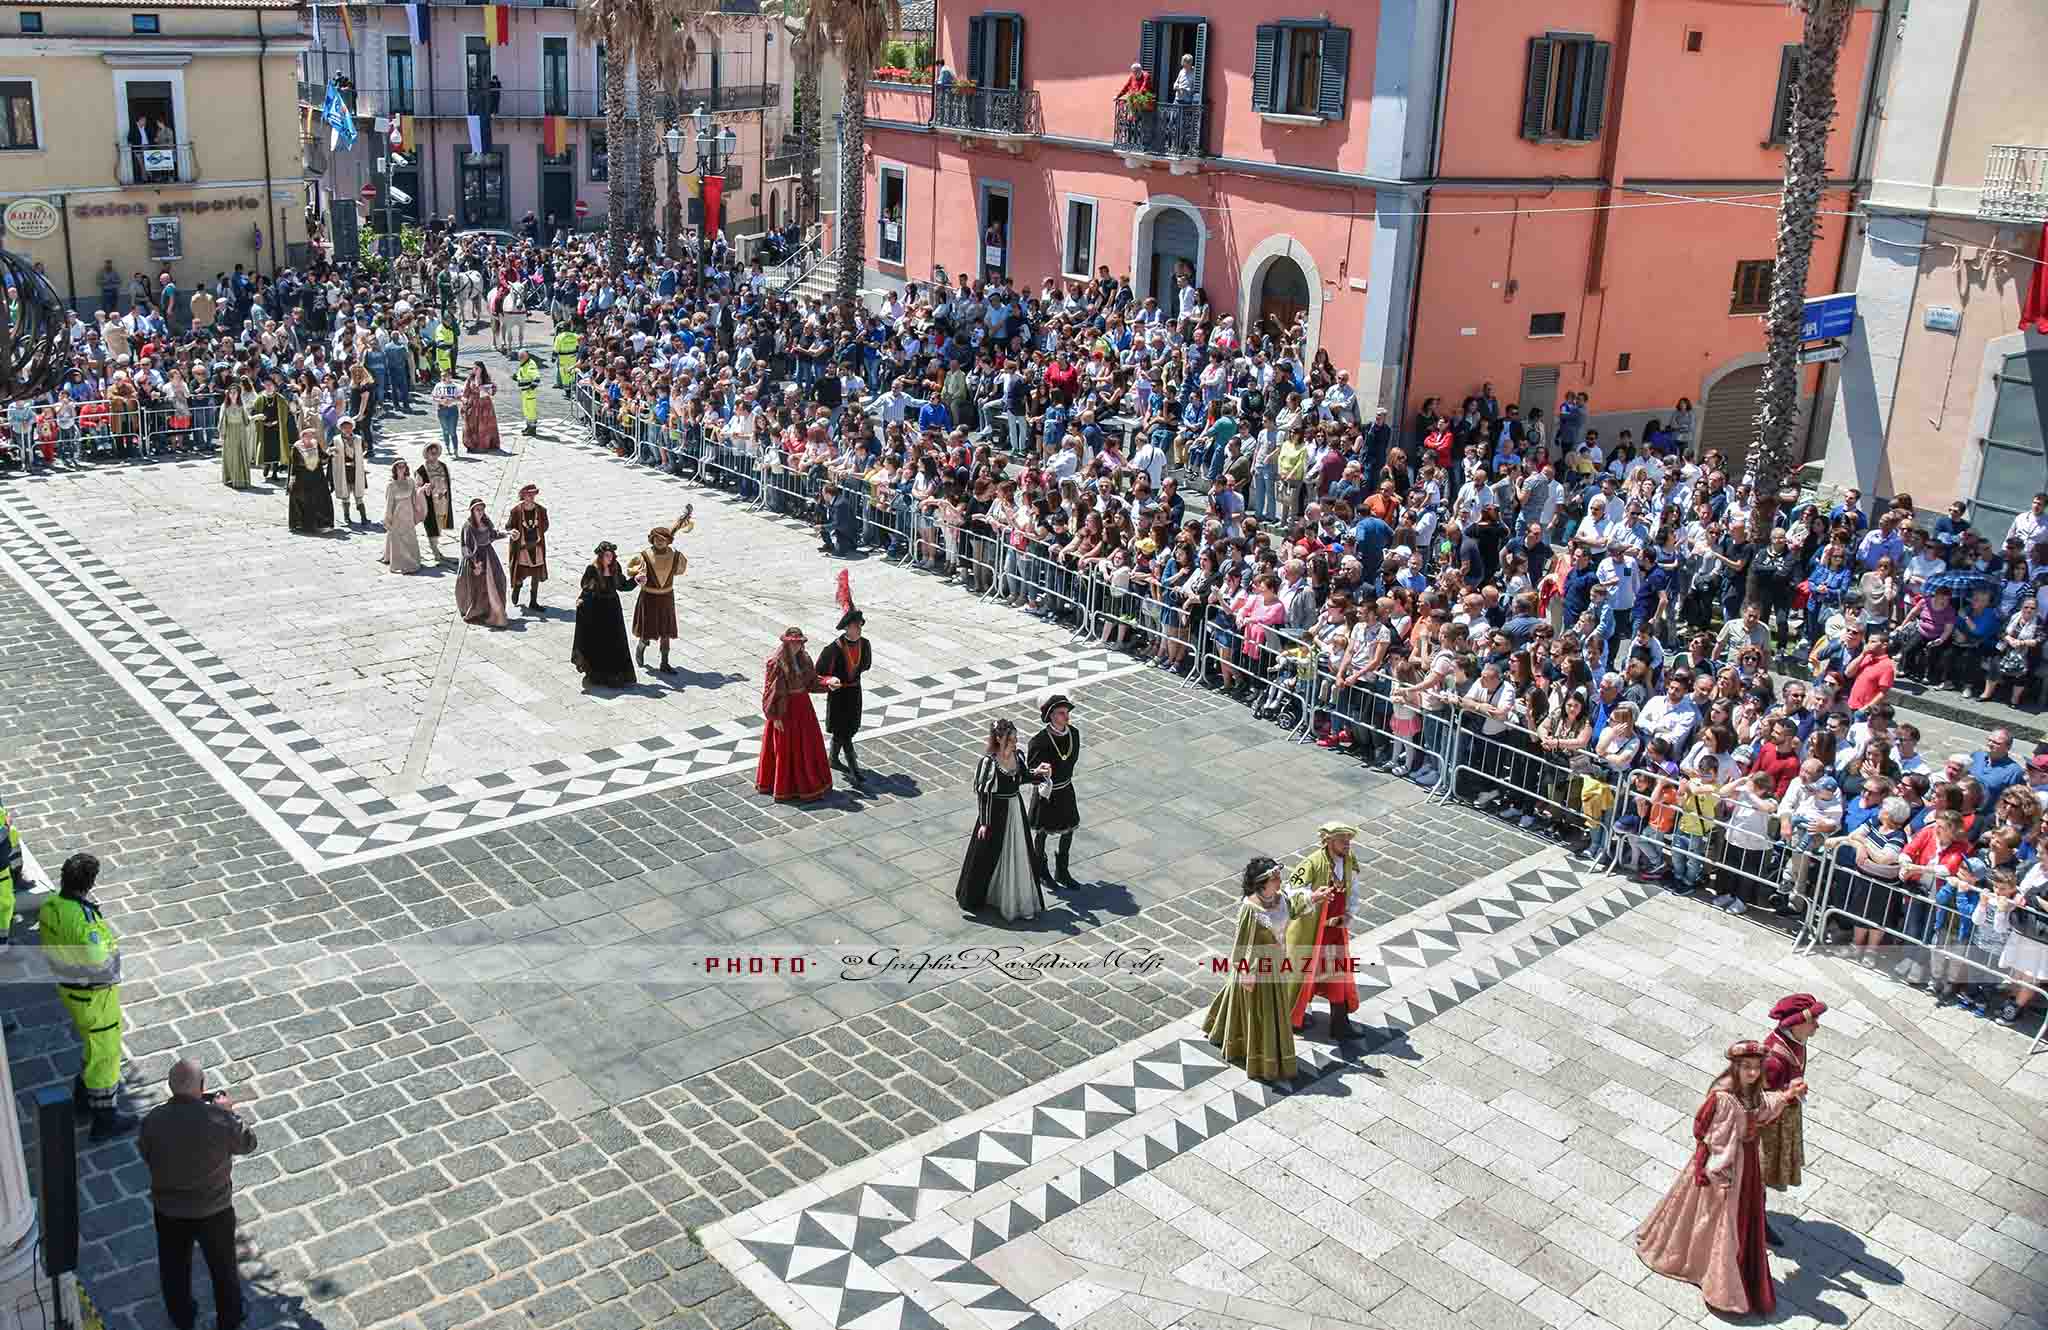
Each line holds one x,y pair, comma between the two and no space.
160,135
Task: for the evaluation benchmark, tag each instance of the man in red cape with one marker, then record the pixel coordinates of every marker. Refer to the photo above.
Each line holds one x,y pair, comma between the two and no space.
1783,1143
1319,938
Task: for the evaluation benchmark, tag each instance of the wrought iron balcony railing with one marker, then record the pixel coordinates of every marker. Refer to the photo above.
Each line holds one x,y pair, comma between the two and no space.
1169,129
2015,184
1006,111
157,164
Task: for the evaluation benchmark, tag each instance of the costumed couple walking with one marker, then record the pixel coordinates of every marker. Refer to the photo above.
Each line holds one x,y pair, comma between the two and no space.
1005,867
794,767
1293,943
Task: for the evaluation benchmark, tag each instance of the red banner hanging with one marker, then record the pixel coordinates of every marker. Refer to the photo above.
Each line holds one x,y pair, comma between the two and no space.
714,192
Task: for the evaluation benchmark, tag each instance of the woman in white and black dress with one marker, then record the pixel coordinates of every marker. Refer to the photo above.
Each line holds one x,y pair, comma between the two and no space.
999,871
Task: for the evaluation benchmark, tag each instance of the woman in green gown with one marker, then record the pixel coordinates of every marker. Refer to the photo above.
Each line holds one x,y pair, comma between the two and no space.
237,436
1249,1018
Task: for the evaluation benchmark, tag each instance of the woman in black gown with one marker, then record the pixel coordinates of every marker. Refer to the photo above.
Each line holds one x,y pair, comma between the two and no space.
600,650
1002,869
310,506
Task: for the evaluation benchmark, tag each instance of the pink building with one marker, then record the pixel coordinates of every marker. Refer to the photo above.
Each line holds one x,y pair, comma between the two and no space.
1453,194
544,70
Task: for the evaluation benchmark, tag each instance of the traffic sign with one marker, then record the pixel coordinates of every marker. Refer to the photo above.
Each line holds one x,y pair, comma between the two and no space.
582,210
1829,316
1825,353
369,192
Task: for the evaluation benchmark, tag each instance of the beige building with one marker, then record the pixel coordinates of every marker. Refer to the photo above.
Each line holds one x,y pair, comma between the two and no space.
1939,393
160,136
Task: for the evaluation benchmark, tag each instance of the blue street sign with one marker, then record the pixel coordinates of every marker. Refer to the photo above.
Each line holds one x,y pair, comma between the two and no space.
1829,316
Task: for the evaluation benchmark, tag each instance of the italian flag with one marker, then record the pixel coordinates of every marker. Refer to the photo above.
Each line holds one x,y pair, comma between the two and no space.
497,24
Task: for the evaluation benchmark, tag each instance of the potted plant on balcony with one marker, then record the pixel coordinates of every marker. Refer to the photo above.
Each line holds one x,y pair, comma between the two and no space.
1141,101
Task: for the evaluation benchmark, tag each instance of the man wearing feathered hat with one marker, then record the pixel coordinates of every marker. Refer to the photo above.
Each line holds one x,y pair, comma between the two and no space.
655,569
846,658
1058,812
528,525
1319,939
1782,1143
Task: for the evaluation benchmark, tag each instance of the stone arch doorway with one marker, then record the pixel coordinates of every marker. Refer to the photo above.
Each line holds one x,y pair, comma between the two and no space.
1168,235
1280,272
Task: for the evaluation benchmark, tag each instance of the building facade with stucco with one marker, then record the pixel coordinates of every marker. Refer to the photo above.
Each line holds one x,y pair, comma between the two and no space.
1570,196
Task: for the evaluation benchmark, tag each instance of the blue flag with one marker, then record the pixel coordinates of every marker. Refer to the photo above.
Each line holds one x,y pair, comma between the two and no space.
336,113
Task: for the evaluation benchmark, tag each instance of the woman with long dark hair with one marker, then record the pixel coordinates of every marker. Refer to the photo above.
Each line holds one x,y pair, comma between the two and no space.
1709,1228
1249,1018
599,650
1000,870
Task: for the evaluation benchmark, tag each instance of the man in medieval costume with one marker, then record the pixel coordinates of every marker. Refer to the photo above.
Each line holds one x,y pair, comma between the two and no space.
1057,812
846,658
437,485
656,569
1782,1143
1319,939
528,552
349,469
270,414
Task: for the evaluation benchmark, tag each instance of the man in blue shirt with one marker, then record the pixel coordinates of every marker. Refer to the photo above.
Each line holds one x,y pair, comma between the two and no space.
1995,769
1370,540
934,415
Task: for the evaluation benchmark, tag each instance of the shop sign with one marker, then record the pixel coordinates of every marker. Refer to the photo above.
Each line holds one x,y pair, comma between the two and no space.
239,203
31,219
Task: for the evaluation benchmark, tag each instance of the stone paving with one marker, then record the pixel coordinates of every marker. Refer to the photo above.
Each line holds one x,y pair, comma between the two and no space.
496,1087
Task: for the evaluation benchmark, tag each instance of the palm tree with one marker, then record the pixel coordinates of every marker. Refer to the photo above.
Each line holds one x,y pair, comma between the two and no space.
1806,170
859,27
612,23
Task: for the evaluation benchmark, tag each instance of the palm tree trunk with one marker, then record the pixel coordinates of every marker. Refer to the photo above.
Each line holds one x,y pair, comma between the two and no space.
618,188
849,247
650,107
1806,168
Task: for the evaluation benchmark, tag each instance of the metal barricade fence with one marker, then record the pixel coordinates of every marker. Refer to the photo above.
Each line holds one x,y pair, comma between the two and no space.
1936,935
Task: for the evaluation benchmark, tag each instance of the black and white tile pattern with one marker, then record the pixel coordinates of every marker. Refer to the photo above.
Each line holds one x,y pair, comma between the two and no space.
822,1262
328,816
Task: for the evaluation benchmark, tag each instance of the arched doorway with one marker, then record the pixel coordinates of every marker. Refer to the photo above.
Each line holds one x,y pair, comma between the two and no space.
1167,236
1283,294
1176,248
1729,423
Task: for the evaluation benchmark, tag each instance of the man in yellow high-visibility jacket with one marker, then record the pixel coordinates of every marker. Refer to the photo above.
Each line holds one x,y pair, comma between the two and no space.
11,861
85,956
567,344
527,375
444,347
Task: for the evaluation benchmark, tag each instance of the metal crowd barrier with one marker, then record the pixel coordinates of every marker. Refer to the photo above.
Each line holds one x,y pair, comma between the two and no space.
1924,922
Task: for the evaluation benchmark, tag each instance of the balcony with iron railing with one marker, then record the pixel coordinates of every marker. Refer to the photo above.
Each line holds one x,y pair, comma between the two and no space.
789,165
158,164
1169,131
2015,184
533,103
993,112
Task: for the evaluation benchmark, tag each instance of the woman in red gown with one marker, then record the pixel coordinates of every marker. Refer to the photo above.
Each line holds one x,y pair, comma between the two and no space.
1709,1228
793,765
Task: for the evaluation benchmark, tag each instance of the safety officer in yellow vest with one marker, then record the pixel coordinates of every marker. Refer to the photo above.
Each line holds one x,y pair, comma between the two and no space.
527,375
85,957
10,875
444,346
567,344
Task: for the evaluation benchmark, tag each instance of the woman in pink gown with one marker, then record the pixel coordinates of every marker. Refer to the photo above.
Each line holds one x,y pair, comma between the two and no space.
1709,1228
480,413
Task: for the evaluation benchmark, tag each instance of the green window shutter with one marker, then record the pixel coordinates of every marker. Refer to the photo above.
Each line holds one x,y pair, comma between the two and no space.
1148,55
977,49
1536,90
1788,86
1201,62
1593,101
1016,50
1265,67
1336,67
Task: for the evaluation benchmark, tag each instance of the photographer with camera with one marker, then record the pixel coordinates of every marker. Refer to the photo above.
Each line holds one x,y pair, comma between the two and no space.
190,1144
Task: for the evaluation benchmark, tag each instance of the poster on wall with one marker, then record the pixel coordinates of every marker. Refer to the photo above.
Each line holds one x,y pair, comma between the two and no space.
166,239
341,229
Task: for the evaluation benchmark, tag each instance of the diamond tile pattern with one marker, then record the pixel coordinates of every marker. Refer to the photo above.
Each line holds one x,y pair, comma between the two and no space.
326,812
831,1253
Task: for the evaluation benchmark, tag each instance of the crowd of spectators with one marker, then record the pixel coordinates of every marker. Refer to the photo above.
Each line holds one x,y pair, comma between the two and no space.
1615,640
